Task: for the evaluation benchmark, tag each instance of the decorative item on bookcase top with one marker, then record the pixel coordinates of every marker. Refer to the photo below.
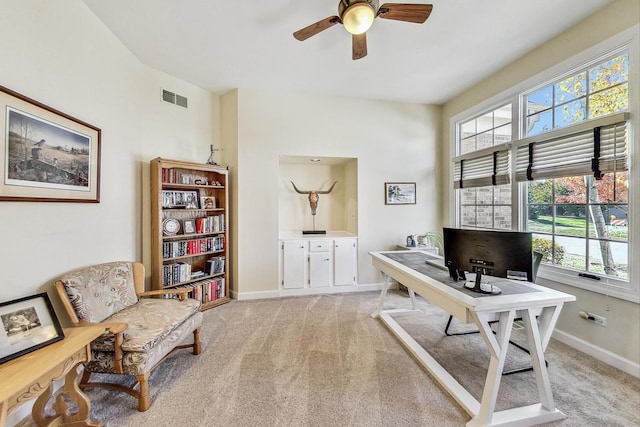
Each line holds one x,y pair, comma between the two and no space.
170,226
189,226
208,202
210,160
400,193
28,323
179,199
46,155
314,196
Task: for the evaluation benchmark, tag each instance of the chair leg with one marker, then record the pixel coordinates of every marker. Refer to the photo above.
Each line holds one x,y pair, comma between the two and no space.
144,399
196,341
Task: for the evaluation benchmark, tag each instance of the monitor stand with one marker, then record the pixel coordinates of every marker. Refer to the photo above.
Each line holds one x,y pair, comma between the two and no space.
476,287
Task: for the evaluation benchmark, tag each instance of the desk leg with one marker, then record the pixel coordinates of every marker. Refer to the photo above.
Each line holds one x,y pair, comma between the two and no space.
412,295
62,416
538,338
383,296
538,335
3,413
498,345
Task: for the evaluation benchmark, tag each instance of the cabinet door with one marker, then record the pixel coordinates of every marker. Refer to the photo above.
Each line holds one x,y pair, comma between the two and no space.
320,269
345,262
294,263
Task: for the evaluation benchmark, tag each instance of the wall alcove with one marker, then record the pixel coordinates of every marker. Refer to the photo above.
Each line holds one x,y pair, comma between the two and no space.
336,211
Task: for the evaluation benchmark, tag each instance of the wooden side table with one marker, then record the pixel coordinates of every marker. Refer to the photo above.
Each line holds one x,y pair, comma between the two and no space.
32,375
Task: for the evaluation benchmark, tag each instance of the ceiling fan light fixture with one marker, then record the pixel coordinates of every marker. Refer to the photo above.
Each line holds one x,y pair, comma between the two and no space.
358,17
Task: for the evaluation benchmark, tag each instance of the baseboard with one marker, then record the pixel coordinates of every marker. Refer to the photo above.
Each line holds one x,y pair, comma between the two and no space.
599,353
244,296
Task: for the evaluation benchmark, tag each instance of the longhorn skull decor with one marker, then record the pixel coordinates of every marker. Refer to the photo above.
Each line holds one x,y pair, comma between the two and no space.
313,203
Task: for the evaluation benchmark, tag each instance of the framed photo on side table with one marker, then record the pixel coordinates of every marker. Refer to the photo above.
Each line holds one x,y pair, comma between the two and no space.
45,154
399,193
28,324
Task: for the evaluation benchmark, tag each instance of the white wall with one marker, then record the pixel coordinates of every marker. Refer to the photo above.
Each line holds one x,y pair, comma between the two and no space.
619,342
61,55
392,142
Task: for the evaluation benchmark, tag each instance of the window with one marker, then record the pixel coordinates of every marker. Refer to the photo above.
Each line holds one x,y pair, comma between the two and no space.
593,92
577,179
565,177
581,223
482,170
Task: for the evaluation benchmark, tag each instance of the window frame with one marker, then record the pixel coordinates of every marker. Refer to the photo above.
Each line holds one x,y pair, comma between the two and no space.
626,41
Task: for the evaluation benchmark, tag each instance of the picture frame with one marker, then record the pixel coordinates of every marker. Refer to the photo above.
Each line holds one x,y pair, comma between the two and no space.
27,324
208,202
189,226
399,193
179,199
191,199
45,154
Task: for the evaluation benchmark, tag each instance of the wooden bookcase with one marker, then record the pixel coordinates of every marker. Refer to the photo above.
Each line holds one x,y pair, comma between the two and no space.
190,229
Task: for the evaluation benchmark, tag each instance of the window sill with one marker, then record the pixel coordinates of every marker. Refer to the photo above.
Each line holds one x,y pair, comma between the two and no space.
610,287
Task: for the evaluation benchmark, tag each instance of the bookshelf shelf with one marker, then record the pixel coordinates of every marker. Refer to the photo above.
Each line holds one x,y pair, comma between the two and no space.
193,251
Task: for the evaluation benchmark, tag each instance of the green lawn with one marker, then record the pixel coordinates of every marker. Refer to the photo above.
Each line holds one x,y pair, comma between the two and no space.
570,226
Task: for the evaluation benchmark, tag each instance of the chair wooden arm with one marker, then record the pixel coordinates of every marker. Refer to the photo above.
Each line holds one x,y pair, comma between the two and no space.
117,329
182,293
111,327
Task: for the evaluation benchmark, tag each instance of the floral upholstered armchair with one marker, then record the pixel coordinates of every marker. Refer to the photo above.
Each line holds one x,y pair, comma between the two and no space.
140,332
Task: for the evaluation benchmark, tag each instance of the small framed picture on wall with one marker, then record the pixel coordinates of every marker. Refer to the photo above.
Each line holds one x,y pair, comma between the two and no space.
399,193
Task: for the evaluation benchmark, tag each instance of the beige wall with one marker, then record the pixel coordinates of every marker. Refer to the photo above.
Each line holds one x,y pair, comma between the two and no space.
619,342
60,54
392,142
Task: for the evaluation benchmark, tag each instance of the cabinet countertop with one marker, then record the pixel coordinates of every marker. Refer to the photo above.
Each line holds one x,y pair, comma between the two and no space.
289,235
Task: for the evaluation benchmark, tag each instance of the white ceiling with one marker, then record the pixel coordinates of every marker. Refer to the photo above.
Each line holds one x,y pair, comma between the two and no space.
220,45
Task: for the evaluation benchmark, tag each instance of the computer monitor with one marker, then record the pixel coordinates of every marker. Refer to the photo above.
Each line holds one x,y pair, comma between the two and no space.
488,252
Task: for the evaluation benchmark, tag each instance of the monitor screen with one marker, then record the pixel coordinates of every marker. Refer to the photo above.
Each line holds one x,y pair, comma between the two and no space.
495,253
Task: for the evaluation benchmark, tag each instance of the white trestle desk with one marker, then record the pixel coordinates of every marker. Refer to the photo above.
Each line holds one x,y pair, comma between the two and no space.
539,308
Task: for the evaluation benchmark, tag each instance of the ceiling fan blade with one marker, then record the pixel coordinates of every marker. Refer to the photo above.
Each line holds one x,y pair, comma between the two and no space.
314,29
417,13
359,43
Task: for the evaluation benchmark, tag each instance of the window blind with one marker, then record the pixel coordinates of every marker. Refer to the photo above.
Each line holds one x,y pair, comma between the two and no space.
592,148
485,167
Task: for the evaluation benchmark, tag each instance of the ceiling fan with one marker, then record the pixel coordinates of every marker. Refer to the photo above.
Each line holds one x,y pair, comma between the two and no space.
357,16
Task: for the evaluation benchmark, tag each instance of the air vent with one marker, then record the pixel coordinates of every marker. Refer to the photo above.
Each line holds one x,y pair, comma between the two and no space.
181,101
174,98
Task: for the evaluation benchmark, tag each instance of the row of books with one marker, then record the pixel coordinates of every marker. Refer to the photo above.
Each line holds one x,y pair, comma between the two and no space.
215,265
174,176
206,290
210,224
180,248
175,273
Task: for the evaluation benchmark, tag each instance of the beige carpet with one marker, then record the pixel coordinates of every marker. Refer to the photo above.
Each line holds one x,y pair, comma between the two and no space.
323,361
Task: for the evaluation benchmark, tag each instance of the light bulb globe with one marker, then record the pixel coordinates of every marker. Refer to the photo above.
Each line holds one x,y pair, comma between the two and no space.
358,17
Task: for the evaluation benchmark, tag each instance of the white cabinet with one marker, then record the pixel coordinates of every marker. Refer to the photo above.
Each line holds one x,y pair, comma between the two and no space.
345,253
320,269
318,262
294,263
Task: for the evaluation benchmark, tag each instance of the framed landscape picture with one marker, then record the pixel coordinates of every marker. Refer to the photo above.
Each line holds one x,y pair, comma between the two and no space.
46,155
27,324
399,193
